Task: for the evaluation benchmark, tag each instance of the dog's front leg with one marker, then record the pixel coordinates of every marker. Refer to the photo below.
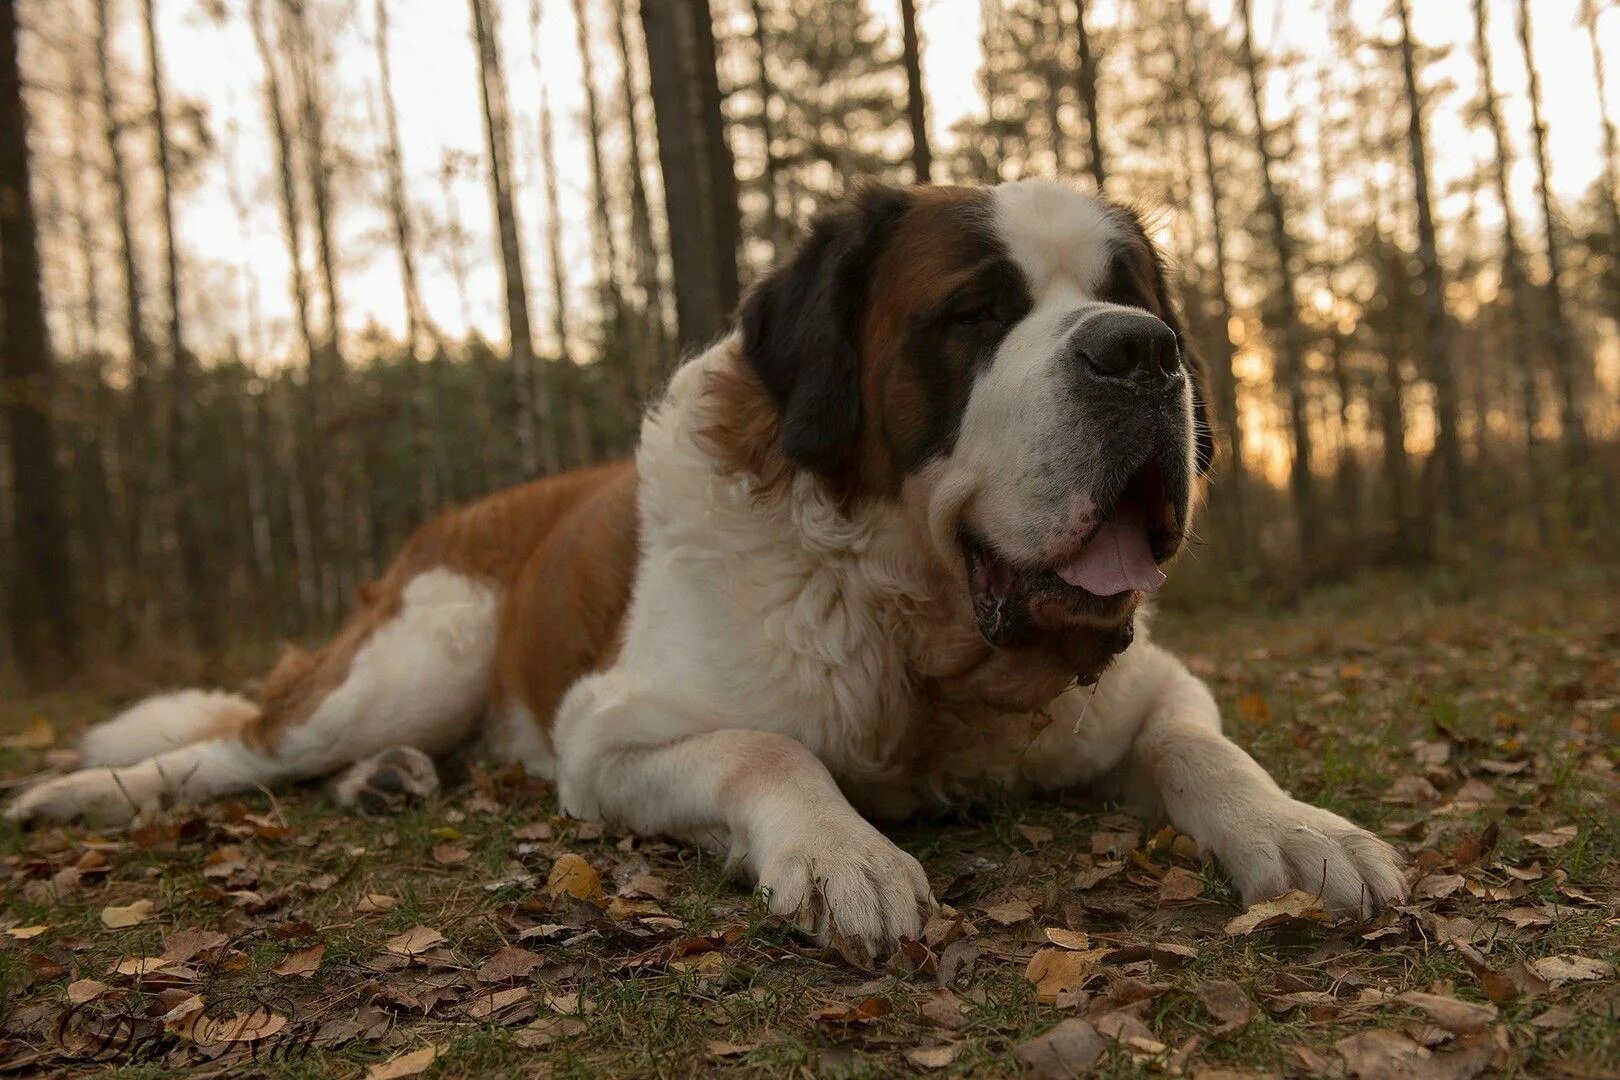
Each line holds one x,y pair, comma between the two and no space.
640,760
1153,734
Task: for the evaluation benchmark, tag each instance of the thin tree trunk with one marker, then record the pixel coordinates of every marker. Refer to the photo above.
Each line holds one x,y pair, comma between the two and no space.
1561,337
427,434
654,360
498,143
39,605
602,217
1450,476
138,436
770,171
559,282
317,587
1087,85
922,160
1521,316
699,185
1284,310
1590,11
195,558
1225,377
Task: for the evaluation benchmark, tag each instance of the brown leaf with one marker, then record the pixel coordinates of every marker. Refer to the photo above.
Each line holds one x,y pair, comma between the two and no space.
1010,913
450,854
414,942
1412,790
1558,970
645,887
511,962
1090,879
82,990
254,1026
1068,939
1035,834
1066,1051
303,963
182,945
1178,884
933,1057
1455,1015
721,1048
117,918
572,876
486,1005
395,1068
1114,842
547,1030
1254,708
1227,1003
862,1012
1553,838
1389,1055
1055,970
942,1009
26,933
1291,905
376,904
539,830
139,965
1437,886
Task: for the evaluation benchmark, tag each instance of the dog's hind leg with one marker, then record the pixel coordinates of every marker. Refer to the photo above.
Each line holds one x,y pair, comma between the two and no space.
411,668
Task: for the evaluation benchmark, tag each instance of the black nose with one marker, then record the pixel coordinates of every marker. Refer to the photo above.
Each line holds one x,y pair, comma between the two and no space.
1131,346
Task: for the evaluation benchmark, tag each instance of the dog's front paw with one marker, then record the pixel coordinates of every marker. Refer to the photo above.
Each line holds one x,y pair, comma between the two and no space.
1289,844
87,793
386,781
847,886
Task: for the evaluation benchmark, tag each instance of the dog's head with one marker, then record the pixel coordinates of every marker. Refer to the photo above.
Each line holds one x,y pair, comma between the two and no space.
1009,361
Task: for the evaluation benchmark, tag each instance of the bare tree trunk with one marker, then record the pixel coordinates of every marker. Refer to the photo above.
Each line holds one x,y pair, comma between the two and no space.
99,518
1611,166
654,360
40,609
317,586
1284,310
769,177
699,184
137,439
195,558
1226,398
1087,85
1521,316
922,161
1561,337
498,143
1450,476
559,285
427,432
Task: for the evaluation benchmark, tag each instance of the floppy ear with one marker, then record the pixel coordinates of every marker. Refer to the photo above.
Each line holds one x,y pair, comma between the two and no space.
801,326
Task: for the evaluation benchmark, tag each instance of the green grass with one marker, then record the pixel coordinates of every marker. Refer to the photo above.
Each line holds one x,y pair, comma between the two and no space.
1504,673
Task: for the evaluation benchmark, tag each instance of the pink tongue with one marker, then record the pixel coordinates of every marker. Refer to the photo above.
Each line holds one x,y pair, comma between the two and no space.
1117,559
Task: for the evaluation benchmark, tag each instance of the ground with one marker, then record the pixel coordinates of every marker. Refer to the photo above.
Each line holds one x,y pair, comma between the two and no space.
1476,728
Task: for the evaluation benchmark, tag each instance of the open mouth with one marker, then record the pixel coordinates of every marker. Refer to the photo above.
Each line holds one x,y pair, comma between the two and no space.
1096,584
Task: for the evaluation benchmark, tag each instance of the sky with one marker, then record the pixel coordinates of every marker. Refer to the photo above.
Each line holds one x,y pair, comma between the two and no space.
239,265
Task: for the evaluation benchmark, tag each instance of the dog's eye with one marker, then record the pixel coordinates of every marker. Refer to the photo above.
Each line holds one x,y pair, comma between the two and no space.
983,316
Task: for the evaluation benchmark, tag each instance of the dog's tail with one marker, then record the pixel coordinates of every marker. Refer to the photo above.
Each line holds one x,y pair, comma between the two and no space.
165,722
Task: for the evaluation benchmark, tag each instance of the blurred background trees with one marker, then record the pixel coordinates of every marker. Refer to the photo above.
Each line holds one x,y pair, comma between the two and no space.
282,277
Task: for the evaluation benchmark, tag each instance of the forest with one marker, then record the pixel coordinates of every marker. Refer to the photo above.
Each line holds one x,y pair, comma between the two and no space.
1409,328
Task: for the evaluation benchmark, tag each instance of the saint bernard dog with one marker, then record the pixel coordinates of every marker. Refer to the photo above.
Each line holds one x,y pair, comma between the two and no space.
882,549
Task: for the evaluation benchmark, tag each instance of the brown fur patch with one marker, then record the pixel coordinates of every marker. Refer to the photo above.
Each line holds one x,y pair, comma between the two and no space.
740,428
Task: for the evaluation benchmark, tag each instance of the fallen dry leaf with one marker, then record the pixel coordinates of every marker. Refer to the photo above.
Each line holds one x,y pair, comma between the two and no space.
415,941
117,918
933,1057
1389,1055
1291,905
1553,838
1068,939
376,904
82,990
183,945
1437,886
139,965
1066,1051
1227,1003
572,876
511,962
410,1064
1055,970
547,1030
450,854
942,1009
1178,884
1455,1015
254,1026
303,963
484,1006
721,1048
1035,834
1010,913
26,933
1558,970
862,1012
